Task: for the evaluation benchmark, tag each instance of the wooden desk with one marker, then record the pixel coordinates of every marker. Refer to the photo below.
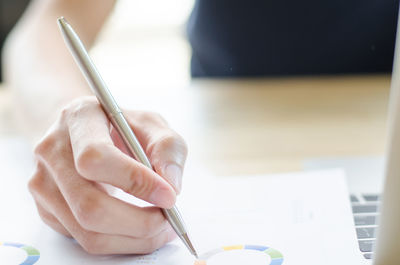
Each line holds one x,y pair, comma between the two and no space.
264,126
272,125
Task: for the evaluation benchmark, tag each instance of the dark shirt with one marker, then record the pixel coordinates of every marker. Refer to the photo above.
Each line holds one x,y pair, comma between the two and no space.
291,37
10,11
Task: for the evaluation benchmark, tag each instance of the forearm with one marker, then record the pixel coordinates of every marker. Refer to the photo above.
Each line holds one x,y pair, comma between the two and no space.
39,68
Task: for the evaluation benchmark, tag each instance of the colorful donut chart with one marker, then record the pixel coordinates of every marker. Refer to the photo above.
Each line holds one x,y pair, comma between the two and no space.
33,253
275,255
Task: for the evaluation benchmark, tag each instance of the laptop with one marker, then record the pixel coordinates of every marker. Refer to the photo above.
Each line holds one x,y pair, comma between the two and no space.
374,185
294,218
387,245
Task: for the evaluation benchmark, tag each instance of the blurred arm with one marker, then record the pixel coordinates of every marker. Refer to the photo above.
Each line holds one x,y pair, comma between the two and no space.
38,66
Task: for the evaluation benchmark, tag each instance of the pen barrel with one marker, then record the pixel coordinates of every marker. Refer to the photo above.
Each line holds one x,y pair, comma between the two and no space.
131,142
89,70
121,125
174,218
116,117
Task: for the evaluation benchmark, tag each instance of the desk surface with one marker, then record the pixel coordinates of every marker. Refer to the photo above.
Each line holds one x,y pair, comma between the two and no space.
273,125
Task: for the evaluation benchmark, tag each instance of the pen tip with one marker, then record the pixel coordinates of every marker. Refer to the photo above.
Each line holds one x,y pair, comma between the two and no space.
189,245
194,253
61,20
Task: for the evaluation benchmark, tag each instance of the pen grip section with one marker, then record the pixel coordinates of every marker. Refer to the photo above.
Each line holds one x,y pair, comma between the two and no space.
125,131
175,219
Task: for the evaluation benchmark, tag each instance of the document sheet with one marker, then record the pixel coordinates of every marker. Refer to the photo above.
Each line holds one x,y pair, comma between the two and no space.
294,218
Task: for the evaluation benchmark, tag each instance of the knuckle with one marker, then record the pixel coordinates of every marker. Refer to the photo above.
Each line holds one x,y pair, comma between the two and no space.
147,228
88,212
92,243
78,107
152,224
46,145
37,181
148,116
139,185
64,113
169,141
89,158
46,217
154,243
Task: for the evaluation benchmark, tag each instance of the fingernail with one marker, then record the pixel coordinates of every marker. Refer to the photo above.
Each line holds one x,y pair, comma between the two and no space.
162,197
173,174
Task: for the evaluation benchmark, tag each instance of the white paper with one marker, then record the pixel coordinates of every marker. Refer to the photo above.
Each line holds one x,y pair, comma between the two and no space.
304,216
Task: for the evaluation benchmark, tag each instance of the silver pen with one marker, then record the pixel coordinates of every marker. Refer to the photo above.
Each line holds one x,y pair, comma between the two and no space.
117,118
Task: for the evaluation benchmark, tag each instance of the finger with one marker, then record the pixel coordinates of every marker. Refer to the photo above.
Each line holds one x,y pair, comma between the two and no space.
40,183
118,142
100,243
97,211
51,221
96,158
168,155
104,244
165,148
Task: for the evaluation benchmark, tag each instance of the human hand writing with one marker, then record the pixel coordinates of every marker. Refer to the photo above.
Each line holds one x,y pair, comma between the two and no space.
81,153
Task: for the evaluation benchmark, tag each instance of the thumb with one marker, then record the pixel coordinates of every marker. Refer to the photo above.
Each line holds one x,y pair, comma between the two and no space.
167,152
168,155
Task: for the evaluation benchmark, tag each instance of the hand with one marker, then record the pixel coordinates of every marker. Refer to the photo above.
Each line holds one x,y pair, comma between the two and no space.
81,153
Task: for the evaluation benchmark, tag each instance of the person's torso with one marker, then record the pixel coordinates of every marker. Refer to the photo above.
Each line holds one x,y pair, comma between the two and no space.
10,12
289,37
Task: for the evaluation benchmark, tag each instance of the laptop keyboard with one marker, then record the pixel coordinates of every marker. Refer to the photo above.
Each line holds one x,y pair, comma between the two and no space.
365,212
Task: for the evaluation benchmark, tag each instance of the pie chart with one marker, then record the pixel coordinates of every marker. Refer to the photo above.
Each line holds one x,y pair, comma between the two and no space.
33,254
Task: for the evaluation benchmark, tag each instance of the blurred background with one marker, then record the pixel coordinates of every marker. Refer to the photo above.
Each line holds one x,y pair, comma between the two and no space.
141,51
140,37
233,126
300,85
10,11
147,38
